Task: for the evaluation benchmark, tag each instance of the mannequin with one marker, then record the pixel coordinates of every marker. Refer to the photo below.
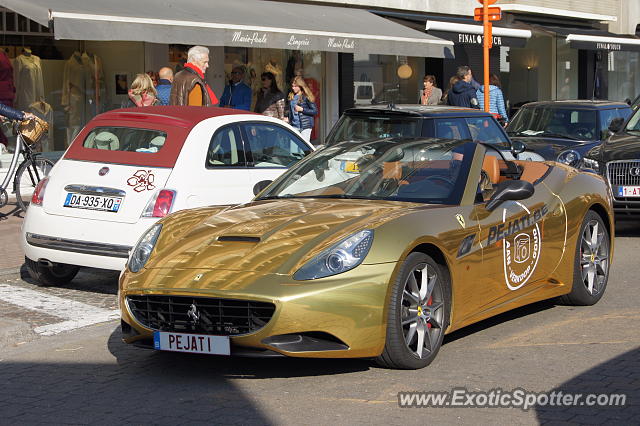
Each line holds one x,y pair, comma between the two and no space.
274,67
28,79
83,90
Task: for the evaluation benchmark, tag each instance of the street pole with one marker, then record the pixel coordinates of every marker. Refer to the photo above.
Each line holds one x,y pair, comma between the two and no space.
486,45
487,14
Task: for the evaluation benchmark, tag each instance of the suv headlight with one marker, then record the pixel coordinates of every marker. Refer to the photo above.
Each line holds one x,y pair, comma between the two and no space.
142,250
590,164
339,258
570,157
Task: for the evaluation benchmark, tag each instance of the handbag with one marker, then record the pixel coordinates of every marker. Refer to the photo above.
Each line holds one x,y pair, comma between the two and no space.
33,130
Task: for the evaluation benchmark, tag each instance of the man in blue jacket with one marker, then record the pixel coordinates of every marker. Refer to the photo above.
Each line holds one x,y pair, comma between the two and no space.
164,85
236,94
463,93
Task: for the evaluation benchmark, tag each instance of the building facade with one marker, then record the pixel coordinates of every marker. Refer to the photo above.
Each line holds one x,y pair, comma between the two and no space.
67,65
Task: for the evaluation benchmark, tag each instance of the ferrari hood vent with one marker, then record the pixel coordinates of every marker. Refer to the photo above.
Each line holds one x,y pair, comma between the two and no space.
241,238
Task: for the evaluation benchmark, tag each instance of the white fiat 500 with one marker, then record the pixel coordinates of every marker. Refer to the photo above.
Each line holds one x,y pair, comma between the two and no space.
127,168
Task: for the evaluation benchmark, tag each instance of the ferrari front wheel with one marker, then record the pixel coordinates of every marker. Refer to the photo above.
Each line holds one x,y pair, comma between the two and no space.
418,314
591,267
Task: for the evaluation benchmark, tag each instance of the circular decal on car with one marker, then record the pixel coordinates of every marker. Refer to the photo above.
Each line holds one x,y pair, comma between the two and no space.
521,254
521,241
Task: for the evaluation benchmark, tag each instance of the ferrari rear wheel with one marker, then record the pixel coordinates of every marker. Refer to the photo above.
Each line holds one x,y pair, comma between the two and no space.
418,314
591,268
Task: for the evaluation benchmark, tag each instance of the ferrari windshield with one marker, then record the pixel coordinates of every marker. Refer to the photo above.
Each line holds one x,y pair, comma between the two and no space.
551,121
424,170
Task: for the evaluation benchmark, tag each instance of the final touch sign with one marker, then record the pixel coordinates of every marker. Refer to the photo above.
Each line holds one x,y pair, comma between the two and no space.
464,38
292,41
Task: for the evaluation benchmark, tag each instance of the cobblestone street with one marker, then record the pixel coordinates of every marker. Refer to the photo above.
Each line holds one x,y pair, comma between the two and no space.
89,376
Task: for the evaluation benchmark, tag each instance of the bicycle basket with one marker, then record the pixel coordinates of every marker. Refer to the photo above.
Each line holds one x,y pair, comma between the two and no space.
32,130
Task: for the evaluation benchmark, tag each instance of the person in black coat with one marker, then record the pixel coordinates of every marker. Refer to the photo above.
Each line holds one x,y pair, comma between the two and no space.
463,93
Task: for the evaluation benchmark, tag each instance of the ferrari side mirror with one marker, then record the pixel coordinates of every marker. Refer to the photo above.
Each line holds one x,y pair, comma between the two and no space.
510,190
258,187
518,147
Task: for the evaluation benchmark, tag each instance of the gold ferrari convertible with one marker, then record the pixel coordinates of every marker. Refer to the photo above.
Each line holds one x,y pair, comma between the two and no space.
370,249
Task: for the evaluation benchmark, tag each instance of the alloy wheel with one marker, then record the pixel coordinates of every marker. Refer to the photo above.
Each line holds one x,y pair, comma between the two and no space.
594,257
422,308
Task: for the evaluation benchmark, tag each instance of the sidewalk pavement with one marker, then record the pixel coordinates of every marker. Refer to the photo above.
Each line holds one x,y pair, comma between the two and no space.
11,254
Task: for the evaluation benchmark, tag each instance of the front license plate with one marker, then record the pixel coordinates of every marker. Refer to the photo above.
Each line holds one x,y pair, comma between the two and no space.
92,202
192,343
629,191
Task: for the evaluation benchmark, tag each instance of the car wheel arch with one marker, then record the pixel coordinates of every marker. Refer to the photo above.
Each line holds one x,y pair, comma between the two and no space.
602,212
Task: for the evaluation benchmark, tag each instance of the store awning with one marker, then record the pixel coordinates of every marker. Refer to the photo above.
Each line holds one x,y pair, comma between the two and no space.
473,34
588,39
244,23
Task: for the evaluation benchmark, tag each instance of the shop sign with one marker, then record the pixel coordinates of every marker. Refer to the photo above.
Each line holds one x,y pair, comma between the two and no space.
296,42
341,43
608,46
464,38
250,38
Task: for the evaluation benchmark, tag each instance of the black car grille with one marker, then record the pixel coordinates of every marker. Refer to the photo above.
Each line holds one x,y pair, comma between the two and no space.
619,173
226,317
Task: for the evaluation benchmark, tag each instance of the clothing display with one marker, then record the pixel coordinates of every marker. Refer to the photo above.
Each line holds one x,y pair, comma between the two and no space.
83,91
43,110
274,68
27,77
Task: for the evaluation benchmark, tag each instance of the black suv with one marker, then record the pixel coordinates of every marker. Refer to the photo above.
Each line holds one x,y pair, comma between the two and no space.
618,160
564,131
439,121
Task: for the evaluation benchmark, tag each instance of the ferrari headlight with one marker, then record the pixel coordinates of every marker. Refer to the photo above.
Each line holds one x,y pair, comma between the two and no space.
590,164
569,157
142,251
341,257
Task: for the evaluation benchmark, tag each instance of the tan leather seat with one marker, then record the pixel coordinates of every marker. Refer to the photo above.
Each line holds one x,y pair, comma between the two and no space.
492,168
392,170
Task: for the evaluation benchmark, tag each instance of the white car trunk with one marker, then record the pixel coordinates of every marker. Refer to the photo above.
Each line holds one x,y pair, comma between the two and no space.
134,185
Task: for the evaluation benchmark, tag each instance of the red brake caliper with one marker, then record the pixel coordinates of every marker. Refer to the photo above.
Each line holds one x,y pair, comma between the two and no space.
429,303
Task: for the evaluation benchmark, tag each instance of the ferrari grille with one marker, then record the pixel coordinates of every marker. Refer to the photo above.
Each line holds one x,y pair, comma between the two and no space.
227,317
619,173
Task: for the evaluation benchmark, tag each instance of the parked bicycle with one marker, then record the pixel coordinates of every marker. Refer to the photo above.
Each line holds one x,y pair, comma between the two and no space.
33,167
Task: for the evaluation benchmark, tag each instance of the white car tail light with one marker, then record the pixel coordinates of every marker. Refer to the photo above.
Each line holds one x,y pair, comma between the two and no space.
160,204
38,193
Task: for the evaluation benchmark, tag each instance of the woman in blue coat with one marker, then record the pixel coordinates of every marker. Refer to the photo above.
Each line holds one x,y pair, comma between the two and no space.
496,98
301,107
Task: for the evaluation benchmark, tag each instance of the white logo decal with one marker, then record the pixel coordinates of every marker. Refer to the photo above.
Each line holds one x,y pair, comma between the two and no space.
521,256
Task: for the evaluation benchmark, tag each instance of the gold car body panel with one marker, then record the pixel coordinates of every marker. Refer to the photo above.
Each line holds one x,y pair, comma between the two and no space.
251,252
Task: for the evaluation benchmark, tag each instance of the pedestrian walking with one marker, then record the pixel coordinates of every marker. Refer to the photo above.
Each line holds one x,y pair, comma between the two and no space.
463,93
430,94
236,94
453,80
142,93
301,108
189,86
165,82
496,99
270,100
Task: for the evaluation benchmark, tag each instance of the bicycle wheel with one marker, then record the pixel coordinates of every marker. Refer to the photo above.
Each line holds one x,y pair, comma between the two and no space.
30,172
